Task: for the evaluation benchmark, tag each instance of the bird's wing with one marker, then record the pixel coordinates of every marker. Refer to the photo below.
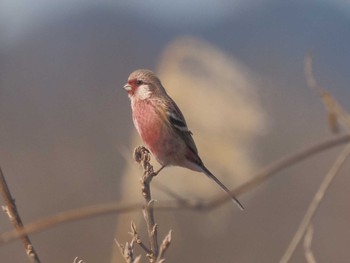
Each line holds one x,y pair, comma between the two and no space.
177,121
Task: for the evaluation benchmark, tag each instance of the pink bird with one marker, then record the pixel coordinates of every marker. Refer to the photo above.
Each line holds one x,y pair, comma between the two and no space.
162,127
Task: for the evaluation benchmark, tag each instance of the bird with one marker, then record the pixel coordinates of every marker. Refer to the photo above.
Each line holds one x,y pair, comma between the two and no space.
162,126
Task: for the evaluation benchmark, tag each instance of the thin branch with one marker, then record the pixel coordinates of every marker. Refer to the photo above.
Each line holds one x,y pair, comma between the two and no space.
307,245
334,109
138,240
142,156
69,216
281,164
77,260
11,210
315,203
127,252
118,208
164,247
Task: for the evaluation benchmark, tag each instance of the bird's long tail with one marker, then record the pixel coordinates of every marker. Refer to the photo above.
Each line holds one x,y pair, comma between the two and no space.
223,187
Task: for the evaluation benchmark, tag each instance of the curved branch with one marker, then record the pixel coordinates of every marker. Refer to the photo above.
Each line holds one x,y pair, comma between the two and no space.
283,163
11,210
339,162
117,208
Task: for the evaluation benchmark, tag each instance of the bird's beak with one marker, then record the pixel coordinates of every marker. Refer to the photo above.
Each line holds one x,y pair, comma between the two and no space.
127,87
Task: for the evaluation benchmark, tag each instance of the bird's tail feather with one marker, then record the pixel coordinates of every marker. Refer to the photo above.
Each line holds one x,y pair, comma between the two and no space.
223,187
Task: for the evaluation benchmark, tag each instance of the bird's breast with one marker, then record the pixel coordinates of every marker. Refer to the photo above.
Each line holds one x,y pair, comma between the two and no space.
147,121
155,131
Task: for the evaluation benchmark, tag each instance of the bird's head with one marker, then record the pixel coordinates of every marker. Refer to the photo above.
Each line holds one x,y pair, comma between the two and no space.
143,84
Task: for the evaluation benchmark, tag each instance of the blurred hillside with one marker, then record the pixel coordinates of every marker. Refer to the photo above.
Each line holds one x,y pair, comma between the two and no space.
66,123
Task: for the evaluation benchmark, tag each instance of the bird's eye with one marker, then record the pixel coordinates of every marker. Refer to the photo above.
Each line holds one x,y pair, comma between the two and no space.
138,82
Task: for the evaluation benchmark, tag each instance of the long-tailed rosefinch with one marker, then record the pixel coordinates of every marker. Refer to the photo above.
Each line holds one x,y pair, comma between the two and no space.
162,126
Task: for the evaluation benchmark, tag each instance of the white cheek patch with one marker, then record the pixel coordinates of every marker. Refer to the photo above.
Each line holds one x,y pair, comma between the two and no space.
143,92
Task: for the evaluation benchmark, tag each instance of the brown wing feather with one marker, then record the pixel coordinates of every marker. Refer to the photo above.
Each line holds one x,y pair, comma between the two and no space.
177,120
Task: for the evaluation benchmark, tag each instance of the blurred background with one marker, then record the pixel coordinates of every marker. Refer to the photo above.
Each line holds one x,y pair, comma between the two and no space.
235,68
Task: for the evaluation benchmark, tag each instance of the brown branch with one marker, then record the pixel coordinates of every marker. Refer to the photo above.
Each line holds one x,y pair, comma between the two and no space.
334,109
127,252
138,240
142,156
11,210
164,247
103,209
69,216
315,203
279,165
77,260
309,256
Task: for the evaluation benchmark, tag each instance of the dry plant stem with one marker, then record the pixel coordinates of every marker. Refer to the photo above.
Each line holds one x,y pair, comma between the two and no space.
334,109
164,247
69,216
279,165
113,208
77,260
307,245
11,210
315,204
142,156
138,240
127,252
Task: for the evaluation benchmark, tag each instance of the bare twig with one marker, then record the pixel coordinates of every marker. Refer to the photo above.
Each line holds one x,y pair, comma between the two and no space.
164,247
11,210
334,110
127,252
138,240
279,165
142,156
335,114
77,260
69,216
307,245
315,203
103,209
